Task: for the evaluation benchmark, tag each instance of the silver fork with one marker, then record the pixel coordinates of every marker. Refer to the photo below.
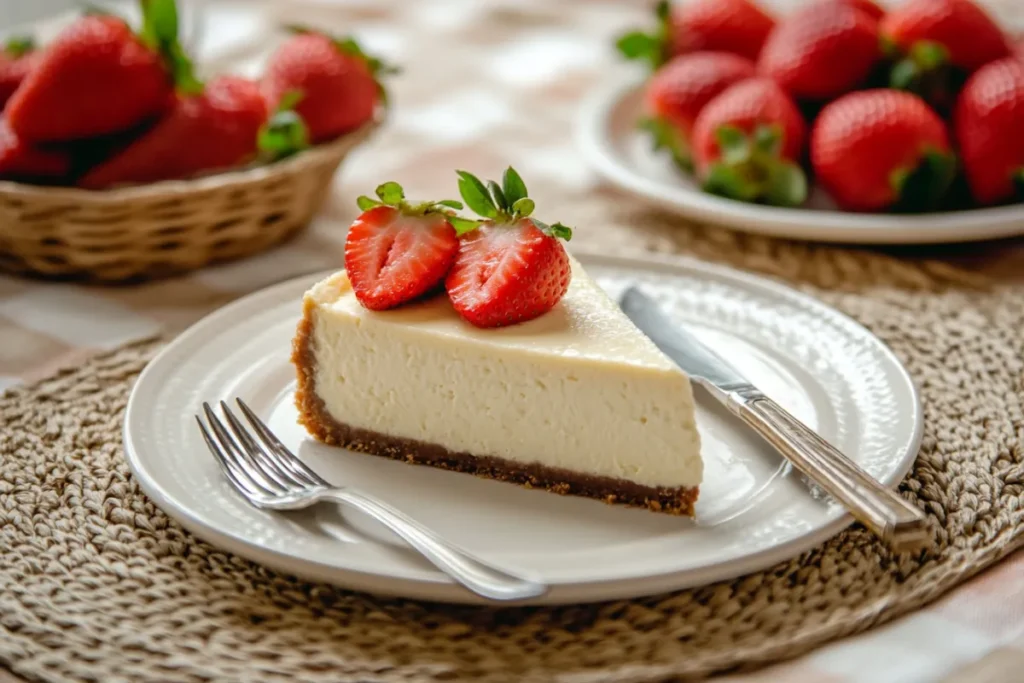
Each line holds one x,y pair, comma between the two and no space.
270,476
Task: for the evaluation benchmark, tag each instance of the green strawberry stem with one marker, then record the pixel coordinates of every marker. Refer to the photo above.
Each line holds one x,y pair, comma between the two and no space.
18,46
666,136
505,203
653,47
284,132
926,71
392,194
923,186
349,46
751,169
160,33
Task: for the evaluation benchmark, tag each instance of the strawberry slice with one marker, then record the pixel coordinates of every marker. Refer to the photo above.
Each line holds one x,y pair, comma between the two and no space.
511,268
395,251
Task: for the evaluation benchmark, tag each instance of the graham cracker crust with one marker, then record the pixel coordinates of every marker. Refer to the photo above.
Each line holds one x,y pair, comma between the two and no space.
313,415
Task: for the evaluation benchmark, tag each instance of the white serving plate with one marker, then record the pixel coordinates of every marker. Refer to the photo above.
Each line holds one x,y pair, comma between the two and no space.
753,510
621,154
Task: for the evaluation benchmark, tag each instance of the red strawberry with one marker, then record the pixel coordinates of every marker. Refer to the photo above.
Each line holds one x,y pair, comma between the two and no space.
21,161
680,89
880,149
511,268
337,80
821,51
17,58
736,26
938,43
747,142
396,252
989,122
868,7
214,129
97,77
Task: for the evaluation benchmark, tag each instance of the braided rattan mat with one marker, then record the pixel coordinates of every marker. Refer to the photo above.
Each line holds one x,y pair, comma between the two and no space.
96,584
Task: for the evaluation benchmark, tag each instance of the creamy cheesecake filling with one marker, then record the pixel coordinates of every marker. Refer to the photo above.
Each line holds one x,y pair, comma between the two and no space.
538,393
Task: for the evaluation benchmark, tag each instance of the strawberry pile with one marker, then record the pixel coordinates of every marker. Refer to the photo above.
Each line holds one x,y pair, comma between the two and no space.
916,108
104,105
503,268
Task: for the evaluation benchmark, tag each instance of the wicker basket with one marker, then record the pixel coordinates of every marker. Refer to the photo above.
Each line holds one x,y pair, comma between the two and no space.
167,227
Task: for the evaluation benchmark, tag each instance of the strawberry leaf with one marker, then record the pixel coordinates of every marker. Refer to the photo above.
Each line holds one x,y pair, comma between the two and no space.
498,196
733,144
160,32
513,186
475,194
922,188
366,203
768,139
523,207
285,132
929,54
727,181
556,230
786,186
18,46
391,193
463,225
666,135
649,47
450,203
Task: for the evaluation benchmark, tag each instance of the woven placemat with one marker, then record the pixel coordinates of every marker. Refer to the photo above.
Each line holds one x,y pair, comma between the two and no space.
96,584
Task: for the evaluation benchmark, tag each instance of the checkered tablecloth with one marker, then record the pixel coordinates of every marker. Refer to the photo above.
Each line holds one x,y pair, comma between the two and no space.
485,84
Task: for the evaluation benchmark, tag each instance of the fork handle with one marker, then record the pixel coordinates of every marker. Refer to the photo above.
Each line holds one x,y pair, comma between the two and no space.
475,574
880,509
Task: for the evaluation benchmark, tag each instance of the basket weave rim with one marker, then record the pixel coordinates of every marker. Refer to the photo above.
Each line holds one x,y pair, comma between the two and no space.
216,180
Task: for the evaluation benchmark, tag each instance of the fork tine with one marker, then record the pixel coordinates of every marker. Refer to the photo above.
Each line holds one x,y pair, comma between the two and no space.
241,461
285,456
267,463
238,479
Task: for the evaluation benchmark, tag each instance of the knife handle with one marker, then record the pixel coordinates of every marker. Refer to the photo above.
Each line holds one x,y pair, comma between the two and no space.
882,510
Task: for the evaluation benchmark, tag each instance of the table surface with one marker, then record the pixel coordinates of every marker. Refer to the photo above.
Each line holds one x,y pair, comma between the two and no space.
512,99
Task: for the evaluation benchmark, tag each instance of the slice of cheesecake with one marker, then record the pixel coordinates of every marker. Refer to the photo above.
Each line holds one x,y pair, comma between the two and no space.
577,401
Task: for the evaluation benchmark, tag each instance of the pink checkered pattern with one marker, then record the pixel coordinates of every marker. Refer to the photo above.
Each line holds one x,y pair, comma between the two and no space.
485,84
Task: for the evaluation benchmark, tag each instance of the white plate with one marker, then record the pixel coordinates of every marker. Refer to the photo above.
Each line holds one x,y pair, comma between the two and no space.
621,154
753,511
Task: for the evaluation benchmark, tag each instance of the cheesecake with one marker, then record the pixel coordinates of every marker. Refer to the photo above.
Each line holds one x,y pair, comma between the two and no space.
576,401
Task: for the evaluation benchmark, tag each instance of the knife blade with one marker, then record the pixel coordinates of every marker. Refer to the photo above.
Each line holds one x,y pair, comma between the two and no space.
902,525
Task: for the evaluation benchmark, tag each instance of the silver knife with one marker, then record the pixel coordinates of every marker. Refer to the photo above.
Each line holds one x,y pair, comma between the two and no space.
903,526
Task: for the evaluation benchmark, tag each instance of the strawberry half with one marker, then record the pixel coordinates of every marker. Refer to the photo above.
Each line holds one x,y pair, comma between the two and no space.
989,123
511,268
680,89
747,143
882,149
736,26
937,44
395,251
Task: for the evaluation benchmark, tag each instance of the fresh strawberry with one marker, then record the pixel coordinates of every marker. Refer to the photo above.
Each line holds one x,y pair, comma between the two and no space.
938,43
680,89
882,149
747,143
868,7
510,268
17,58
989,124
821,51
339,83
97,77
21,161
213,129
736,26
396,252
